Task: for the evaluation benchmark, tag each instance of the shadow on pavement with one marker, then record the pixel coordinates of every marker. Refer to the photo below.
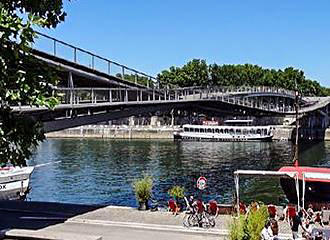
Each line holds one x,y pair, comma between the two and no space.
38,215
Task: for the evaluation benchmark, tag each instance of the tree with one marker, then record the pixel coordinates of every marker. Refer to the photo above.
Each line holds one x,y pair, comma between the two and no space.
198,73
194,73
23,79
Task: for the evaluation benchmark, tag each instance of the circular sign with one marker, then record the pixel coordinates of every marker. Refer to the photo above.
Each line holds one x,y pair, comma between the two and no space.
201,183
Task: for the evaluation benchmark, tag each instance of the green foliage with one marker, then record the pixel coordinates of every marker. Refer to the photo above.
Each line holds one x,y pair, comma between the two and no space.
142,188
256,221
49,12
194,73
23,79
249,227
237,228
198,73
136,79
176,192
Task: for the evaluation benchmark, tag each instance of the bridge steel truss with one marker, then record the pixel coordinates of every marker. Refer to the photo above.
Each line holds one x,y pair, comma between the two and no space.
81,106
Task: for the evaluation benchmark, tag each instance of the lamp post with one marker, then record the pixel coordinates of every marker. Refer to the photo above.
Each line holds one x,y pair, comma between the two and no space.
295,159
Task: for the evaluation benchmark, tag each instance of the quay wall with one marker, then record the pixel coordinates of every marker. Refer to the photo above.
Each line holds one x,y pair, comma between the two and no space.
116,132
147,132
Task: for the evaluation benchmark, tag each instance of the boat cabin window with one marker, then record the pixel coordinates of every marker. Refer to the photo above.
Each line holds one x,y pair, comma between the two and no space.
231,131
201,130
238,131
226,131
217,130
221,130
186,129
258,131
196,129
209,130
191,130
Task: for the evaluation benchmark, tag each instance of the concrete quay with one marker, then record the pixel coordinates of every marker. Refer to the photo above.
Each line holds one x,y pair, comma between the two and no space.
281,132
41,220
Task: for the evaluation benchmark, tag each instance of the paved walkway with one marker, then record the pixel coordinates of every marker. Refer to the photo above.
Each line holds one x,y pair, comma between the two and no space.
110,222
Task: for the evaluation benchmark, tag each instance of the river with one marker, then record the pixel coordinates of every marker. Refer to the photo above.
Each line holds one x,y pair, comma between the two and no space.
98,171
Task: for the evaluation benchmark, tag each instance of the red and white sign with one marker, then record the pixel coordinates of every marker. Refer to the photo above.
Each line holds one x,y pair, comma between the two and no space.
210,123
201,183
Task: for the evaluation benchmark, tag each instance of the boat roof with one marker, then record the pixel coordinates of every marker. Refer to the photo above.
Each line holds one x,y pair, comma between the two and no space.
15,170
263,173
311,174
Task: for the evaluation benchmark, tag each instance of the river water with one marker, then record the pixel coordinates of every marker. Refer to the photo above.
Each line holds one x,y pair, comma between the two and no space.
98,171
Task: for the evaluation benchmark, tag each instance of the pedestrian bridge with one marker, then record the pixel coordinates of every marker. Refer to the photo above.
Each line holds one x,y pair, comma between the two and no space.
101,90
81,106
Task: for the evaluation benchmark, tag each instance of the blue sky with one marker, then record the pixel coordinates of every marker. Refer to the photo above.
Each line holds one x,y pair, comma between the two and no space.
153,35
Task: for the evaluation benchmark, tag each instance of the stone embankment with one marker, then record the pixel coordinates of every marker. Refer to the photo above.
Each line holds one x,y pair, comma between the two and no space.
117,132
148,132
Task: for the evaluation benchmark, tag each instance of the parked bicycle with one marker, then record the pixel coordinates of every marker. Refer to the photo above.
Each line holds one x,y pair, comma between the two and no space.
196,214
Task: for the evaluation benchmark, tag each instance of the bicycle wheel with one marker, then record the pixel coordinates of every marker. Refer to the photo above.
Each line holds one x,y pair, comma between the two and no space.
193,220
207,221
205,224
185,220
190,220
211,219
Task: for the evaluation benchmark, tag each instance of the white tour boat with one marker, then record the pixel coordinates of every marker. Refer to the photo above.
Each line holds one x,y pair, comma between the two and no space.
14,182
233,130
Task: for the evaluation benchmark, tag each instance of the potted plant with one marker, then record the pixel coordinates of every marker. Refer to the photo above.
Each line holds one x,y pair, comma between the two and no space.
142,188
177,192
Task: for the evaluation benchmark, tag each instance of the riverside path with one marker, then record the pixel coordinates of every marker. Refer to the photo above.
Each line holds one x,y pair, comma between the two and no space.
38,220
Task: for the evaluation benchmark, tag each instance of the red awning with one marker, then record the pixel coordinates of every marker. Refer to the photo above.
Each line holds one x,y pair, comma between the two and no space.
311,174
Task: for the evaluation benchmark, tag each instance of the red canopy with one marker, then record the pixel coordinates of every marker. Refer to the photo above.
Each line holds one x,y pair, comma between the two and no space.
311,174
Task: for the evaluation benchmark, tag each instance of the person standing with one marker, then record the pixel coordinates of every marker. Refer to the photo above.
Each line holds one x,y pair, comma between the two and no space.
296,221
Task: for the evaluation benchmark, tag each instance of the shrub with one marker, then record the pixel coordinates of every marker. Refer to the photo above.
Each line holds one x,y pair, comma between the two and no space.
142,188
237,228
256,221
176,192
250,226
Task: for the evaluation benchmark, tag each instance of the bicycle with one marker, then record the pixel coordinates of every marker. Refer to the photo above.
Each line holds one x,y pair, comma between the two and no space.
197,216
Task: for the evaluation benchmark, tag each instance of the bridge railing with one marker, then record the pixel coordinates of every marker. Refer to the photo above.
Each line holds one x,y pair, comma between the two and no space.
237,96
240,89
91,60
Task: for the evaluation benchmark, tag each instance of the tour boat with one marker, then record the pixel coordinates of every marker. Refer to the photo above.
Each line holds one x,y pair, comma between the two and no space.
314,184
233,130
14,182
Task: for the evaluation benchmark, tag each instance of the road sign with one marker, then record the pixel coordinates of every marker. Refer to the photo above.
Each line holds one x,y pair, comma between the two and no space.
201,183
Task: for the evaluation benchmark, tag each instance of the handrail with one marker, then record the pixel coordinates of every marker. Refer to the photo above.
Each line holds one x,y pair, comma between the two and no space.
76,96
93,55
260,89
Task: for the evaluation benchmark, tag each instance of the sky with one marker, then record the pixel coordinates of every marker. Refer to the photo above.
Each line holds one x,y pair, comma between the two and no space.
152,35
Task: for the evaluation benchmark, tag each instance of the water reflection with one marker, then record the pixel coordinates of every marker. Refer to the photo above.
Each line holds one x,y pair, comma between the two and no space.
97,171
